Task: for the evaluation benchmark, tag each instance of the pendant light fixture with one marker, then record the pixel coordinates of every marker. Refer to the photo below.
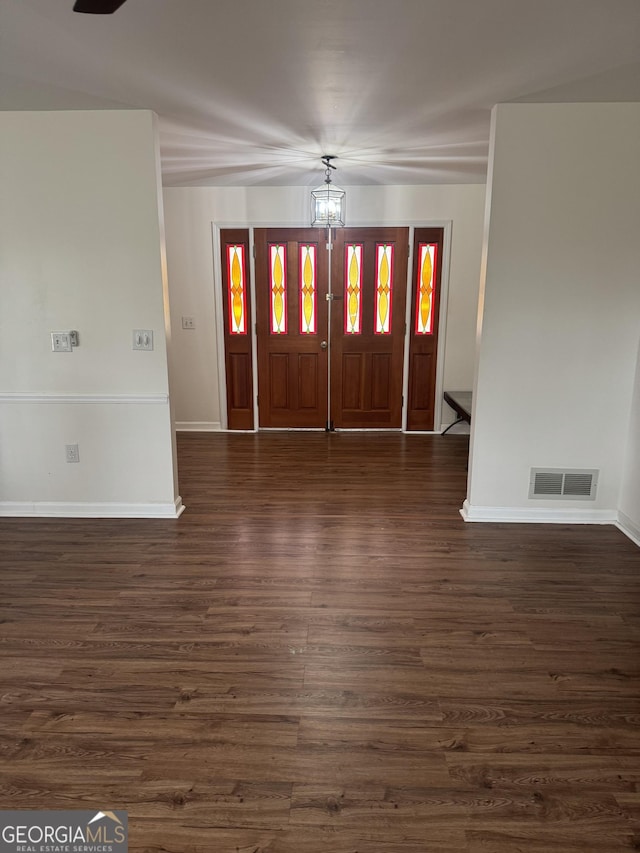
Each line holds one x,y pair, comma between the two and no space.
328,201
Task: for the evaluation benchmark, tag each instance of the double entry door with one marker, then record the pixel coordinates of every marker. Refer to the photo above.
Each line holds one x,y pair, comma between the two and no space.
330,329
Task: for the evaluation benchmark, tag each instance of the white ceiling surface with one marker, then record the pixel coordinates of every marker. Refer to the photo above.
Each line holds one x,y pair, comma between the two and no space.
253,92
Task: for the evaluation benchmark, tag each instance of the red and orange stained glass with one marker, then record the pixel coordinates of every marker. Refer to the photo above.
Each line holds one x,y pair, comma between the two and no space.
425,288
308,290
278,288
237,291
353,289
384,283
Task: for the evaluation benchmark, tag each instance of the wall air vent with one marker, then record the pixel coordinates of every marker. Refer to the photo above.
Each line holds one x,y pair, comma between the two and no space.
563,484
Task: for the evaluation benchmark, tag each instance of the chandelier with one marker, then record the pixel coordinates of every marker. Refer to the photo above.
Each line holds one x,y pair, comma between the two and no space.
328,201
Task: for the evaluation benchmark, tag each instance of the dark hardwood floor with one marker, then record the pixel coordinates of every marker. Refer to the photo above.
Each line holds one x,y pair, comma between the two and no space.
320,656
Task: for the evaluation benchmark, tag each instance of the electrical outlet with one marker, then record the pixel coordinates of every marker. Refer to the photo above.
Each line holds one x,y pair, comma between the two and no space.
188,323
61,341
72,452
143,339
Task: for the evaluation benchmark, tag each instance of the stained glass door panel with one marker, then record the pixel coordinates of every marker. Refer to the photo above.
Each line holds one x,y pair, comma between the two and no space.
369,276
423,339
291,311
234,249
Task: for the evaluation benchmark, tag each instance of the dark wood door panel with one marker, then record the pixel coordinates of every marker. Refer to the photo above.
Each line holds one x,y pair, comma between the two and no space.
240,390
423,338
381,381
292,365
367,365
236,301
351,387
278,370
308,381
421,389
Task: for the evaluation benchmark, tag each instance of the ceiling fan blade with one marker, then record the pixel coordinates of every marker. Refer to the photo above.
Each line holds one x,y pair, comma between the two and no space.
97,7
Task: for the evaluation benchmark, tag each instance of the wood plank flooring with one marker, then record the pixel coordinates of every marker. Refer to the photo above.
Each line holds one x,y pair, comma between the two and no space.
320,656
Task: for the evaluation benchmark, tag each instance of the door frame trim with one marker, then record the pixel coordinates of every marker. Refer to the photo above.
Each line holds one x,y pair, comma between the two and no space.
219,324
445,224
254,329
407,330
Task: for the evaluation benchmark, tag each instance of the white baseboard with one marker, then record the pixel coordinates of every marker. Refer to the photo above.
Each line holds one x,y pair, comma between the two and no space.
536,515
629,528
67,509
198,426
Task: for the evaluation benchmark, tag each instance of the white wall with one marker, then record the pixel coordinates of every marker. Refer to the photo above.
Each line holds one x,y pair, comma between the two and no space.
189,214
81,247
561,307
629,509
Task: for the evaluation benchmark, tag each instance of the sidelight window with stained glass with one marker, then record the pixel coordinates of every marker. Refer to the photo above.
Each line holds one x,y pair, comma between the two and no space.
278,288
237,290
308,290
425,288
384,284
353,289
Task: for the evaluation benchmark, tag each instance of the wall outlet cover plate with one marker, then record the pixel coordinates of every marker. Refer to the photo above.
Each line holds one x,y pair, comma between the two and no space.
61,341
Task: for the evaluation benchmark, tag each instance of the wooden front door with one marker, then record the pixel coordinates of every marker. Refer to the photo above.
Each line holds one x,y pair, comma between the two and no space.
291,315
369,275
362,357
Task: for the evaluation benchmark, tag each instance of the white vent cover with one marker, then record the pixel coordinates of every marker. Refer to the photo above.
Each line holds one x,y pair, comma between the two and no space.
563,484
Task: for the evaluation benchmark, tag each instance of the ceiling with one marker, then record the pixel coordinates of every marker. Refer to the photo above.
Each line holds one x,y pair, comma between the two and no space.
253,92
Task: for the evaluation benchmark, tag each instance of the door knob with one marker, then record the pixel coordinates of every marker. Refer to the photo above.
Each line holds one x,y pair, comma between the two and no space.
323,345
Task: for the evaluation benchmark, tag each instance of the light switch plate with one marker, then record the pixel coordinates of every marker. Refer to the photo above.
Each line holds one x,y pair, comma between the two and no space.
188,323
143,339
